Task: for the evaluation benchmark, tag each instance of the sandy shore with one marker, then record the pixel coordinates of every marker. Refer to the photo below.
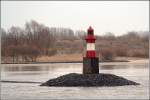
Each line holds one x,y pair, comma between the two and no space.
60,58
79,57
73,58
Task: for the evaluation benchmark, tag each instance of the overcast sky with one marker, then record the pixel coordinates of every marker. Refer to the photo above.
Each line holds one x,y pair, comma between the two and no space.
117,17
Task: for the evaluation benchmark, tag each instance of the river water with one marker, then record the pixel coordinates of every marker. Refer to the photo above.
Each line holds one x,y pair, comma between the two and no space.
138,72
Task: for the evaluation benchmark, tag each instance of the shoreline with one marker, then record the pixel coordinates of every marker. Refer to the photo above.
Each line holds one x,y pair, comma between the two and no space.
129,61
67,62
119,60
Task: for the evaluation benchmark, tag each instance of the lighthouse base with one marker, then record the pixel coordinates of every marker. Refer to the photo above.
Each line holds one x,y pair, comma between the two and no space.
90,65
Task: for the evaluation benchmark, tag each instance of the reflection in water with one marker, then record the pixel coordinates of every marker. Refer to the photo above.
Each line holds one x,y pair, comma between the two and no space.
39,67
54,70
111,67
28,73
56,67
25,68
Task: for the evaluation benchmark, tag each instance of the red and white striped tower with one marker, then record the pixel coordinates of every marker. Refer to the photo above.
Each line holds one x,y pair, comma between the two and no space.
90,40
90,62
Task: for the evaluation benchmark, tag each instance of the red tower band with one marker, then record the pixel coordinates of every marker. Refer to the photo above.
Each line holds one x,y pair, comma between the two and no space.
90,40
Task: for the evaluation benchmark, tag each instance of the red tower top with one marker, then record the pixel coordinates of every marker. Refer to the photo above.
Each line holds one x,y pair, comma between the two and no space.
90,36
90,30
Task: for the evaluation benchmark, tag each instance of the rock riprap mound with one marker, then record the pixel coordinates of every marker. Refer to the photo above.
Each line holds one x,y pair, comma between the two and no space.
101,79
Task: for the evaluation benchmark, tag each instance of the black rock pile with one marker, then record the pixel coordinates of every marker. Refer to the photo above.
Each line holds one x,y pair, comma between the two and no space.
101,79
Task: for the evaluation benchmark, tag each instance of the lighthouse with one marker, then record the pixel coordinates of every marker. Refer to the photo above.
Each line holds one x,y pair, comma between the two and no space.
90,61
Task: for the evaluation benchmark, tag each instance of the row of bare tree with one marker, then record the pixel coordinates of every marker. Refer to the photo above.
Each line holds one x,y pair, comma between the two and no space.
26,44
132,44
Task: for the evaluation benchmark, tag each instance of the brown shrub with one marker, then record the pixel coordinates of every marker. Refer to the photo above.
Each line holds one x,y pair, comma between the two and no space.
138,53
106,54
120,51
52,52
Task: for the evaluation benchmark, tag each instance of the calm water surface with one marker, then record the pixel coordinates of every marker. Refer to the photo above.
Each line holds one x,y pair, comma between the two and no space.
43,72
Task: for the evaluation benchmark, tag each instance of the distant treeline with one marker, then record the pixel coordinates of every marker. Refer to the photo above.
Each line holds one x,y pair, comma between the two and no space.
34,40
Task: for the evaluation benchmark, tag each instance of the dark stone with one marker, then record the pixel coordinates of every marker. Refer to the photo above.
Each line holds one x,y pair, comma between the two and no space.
90,65
101,79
